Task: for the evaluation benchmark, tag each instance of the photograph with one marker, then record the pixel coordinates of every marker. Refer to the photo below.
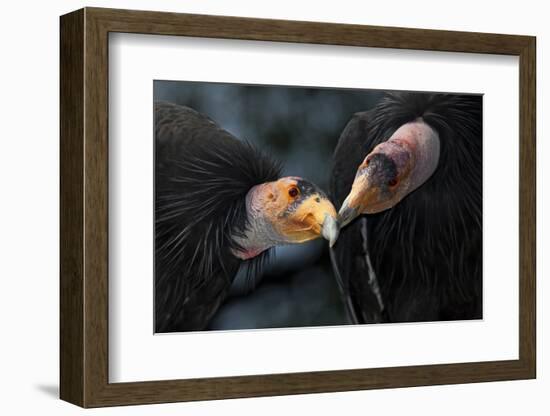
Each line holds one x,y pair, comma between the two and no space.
265,203
291,206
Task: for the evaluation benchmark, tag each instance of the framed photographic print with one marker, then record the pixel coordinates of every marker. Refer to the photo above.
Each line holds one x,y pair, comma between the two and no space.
260,207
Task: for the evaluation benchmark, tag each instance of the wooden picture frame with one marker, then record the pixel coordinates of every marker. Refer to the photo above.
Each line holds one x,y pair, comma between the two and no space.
84,207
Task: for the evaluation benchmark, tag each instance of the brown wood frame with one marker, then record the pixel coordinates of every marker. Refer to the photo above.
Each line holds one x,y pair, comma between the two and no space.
84,208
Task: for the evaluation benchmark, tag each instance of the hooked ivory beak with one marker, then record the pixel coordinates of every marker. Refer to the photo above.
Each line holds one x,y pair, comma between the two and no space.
330,230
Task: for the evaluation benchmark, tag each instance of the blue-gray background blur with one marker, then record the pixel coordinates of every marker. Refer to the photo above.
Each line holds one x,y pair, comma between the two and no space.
299,126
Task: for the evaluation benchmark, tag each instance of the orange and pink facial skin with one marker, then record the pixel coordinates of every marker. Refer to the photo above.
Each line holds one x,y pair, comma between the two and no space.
392,170
290,210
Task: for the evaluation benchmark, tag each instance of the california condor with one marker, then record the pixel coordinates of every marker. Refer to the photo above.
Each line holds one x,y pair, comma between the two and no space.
407,177
219,202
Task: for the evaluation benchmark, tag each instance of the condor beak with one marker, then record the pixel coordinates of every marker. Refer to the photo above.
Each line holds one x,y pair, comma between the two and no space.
347,213
330,230
358,199
315,217
322,218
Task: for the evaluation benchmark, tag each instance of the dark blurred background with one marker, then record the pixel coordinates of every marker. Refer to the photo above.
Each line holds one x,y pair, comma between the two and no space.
299,126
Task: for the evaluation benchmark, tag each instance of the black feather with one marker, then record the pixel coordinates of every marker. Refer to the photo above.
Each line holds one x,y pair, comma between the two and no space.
203,175
427,250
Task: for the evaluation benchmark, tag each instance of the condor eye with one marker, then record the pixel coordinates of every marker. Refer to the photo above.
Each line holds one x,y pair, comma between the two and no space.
392,182
293,192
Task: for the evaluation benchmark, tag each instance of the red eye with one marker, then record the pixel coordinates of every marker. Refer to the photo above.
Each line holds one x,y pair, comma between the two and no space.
293,192
392,182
